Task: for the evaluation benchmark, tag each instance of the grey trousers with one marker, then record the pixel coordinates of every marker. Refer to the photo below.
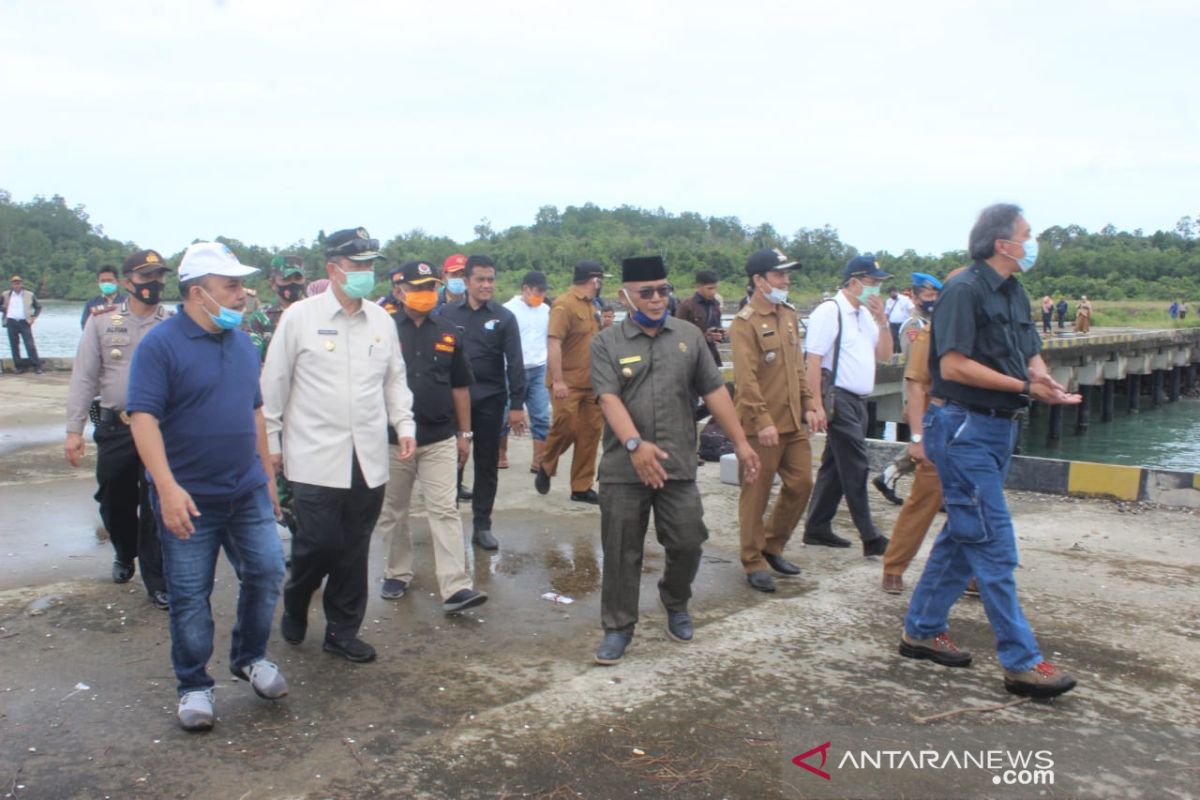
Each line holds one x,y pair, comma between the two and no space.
624,518
844,470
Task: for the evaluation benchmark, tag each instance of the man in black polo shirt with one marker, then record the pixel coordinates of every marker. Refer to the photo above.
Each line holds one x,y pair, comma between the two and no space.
493,345
985,363
438,375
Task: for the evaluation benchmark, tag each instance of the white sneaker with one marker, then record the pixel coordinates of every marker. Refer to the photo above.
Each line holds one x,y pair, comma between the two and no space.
265,678
196,710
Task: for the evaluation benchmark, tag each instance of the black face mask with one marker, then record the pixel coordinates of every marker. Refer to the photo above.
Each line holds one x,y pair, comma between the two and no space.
290,292
149,293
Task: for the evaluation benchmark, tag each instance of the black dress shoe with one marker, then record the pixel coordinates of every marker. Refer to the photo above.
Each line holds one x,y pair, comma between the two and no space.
781,564
876,546
292,630
542,481
761,580
826,539
122,572
465,493
887,491
482,538
679,625
612,647
589,496
355,649
159,598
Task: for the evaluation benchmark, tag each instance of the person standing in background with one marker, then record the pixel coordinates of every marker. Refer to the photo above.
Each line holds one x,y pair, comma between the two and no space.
1047,314
533,320
21,308
109,297
703,309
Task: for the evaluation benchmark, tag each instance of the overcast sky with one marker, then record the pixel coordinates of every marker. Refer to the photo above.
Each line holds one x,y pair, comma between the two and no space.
267,120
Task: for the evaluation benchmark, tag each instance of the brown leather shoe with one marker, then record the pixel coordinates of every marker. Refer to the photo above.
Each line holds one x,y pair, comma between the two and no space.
939,650
893,584
1044,680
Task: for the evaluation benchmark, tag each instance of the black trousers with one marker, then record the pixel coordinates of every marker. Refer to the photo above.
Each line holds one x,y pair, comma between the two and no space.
487,421
624,517
894,327
19,330
844,470
124,497
333,539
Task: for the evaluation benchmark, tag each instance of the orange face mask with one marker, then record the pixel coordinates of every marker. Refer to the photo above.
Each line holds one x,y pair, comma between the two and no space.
422,302
536,300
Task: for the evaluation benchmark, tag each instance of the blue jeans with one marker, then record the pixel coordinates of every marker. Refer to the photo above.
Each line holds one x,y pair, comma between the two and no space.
537,404
972,452
245,527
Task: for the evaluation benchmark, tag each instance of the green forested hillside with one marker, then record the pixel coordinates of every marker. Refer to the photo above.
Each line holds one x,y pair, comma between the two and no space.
56,248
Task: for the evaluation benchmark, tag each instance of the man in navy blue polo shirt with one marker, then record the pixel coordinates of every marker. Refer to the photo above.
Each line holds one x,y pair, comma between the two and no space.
196,417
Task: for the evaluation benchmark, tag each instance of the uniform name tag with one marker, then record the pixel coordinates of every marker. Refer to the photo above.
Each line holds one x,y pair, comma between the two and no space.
630,360
444,348
327,333
768,333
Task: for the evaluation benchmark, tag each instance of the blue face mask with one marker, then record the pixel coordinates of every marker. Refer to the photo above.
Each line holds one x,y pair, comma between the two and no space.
456,286
226,319
107,288
358,284
1031,253
642,319
777,296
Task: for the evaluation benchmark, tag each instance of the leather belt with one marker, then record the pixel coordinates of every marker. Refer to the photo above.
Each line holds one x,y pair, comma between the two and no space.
111,415
998,413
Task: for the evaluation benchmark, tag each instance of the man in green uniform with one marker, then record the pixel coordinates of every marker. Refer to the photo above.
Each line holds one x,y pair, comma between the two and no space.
646,372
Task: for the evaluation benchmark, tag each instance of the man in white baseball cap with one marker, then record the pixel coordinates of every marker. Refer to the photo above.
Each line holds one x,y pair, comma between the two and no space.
197,421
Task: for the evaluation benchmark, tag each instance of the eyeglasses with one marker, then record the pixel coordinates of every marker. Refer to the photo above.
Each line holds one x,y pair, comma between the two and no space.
646,292
356,246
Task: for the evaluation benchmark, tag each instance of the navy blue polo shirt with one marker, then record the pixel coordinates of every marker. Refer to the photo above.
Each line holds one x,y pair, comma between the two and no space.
203,389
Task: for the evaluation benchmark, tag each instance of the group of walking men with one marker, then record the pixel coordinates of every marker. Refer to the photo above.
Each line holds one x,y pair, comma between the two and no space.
195,447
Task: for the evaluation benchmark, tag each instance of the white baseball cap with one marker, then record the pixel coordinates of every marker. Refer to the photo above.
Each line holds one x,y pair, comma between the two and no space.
211,258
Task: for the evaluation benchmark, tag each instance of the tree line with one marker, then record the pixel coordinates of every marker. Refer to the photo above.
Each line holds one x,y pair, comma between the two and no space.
56,248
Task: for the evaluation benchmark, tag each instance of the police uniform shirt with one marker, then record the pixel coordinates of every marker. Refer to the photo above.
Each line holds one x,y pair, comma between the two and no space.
767,367
493,343
435,364
102,361
860,334
655,377
985,317
332,384
100,304
916,369
909,331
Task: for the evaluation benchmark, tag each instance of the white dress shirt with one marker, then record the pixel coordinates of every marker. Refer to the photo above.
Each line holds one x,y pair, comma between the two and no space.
16,305
860,334
331,385
533,324
900,310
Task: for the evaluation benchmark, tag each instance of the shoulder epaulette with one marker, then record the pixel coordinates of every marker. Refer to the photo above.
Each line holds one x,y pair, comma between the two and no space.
745,312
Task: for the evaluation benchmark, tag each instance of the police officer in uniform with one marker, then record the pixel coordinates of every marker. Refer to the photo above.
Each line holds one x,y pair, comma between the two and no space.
287,279
646,372
110,295
393,303
773,404
102,367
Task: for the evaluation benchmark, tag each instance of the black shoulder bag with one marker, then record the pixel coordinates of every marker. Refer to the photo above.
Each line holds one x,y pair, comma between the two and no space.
827,376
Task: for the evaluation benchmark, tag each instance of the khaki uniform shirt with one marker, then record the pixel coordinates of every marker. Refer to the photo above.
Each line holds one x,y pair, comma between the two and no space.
656,378
768,368
573,322
102,361
331,385
917,367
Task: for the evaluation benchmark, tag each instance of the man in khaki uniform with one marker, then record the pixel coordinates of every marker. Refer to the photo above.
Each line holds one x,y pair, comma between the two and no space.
773,404
577,418
101,368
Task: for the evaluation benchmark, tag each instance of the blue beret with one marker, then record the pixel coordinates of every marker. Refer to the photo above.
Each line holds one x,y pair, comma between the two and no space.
921,279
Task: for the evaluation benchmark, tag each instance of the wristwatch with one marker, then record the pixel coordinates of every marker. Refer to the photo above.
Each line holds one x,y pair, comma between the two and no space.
468,435
916,438
632,443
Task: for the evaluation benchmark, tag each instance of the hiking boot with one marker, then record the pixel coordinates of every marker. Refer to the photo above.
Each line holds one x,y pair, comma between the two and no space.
1044,680
887,491
264,678
781,564
463,599
939,650
876,546
196,710
393,589
612,647
893,584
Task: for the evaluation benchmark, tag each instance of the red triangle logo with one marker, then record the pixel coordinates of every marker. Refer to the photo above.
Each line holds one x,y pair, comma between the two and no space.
800,759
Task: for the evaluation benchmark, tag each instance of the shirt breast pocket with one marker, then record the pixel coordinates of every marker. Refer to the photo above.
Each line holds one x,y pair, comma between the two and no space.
769,342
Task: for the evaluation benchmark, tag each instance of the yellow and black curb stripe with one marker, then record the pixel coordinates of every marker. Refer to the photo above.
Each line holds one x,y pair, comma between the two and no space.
1081,478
